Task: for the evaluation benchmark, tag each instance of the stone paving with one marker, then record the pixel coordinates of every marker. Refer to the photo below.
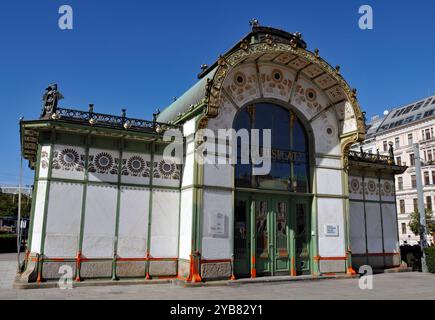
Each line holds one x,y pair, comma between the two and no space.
8,270
410,285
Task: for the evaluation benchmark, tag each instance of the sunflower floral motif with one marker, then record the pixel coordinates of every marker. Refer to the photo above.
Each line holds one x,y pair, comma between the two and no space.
388,188
68,160
371,186
354,185
166,170
136,165
103,162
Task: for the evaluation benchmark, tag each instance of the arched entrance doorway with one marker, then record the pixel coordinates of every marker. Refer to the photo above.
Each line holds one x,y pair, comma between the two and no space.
272,212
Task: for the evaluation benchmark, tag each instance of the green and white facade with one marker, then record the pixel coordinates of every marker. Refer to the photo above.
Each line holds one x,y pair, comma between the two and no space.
108,204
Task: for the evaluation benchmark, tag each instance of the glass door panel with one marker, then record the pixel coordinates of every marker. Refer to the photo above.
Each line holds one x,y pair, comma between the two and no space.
302,254
241,237
262,236
282,236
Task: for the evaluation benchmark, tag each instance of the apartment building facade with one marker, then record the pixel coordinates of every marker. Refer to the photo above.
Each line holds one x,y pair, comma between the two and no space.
402,127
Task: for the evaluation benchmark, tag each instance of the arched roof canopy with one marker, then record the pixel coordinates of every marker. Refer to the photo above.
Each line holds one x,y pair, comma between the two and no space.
268,46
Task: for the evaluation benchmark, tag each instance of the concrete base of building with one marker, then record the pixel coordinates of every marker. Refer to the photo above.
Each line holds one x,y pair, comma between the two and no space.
178,282
216,270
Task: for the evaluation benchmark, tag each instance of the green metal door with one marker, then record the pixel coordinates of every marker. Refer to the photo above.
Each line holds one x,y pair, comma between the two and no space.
263,235
271,235
282,236
302,236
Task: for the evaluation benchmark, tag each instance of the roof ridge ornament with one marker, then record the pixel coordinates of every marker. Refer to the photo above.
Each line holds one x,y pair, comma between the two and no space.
50,100
254,23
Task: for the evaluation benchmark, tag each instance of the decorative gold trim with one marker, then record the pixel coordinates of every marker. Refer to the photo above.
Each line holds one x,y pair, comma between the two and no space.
229,62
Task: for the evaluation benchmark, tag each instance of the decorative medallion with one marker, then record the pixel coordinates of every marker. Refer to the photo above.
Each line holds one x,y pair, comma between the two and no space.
68,158
354,185
371,186
166,170
103,161
136,165
240,79
311,95
388,188
277,75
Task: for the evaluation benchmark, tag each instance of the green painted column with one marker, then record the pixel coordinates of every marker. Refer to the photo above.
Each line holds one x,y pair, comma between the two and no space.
47,197
83,210
253,240
150,211
118,205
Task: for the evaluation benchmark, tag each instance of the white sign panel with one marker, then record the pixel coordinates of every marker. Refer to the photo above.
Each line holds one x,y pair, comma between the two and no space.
331,230
217,224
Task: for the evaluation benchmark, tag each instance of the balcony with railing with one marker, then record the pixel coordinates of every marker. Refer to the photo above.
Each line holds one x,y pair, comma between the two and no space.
371,158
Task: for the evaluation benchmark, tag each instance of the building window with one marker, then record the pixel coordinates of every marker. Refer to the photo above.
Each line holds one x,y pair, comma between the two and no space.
399,161
397,142
429,155
400,183
433,177
402,206
385,143
427,134
429,203
415,205
426,178
411,159
289,160
403,228
410,139
413,181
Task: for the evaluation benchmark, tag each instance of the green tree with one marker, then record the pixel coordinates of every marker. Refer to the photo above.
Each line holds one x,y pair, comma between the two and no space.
9,205
414,222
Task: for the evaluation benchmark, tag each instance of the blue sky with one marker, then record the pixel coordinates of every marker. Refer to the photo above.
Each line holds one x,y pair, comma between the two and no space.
139,54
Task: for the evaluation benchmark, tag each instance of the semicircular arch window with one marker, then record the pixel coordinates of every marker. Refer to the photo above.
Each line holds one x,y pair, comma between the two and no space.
288,149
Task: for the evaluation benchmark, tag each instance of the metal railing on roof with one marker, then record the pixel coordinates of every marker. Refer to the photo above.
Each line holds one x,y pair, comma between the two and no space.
370,157
111,121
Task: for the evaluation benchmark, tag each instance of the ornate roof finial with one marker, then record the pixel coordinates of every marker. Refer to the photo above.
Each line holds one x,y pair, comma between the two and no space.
254,23
204,67
50,99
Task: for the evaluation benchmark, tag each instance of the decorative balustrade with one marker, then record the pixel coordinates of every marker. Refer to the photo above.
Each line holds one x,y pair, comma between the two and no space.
110,121
369,157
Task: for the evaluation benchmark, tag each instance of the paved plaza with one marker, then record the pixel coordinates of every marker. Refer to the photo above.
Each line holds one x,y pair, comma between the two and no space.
410,285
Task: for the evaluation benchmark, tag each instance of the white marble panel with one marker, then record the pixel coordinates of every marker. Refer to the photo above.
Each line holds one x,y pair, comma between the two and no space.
100,219
357,227
63,220
133,222
164,223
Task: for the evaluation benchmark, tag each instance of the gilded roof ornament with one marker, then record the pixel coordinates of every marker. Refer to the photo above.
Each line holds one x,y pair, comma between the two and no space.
268,39
221,61
244,45
254,23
